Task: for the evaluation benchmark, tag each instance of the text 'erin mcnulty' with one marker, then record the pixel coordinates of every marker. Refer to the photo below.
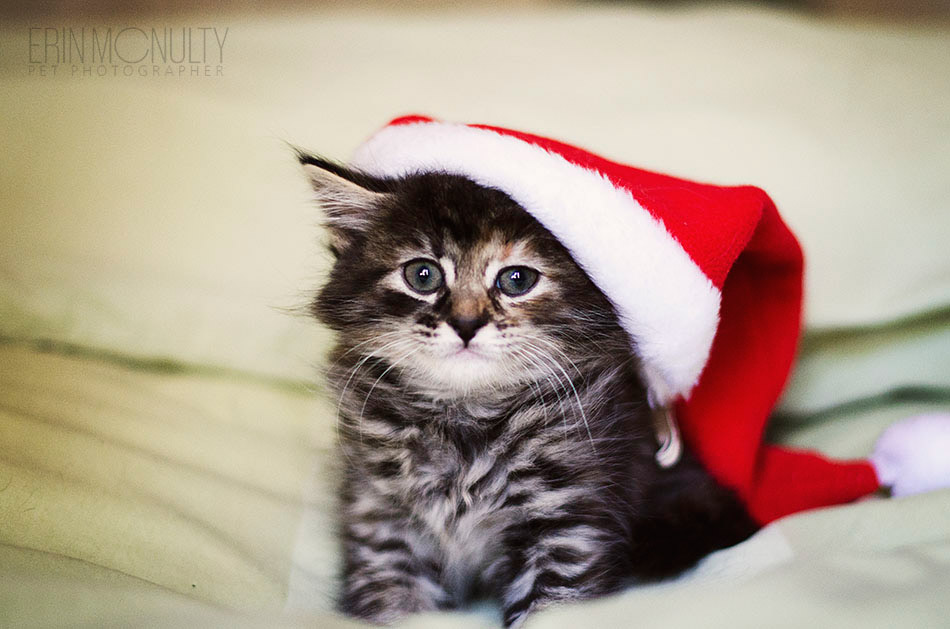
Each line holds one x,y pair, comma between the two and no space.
190,51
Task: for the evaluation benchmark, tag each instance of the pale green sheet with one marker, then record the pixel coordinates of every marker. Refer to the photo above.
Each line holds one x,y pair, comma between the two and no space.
132,496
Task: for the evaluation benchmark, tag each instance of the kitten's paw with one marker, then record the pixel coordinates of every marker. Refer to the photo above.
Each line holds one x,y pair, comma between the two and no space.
383,602
515,618
913,455
381,611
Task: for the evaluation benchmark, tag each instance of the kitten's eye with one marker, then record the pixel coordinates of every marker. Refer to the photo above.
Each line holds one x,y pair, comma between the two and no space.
516,280
423,276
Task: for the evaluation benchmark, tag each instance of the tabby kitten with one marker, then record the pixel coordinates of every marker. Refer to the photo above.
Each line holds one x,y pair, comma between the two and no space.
495,431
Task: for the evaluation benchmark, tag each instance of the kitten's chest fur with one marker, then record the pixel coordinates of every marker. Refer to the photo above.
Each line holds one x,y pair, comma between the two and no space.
456,481
464,473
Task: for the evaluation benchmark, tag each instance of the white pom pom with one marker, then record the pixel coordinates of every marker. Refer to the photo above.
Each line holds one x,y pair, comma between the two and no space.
913,455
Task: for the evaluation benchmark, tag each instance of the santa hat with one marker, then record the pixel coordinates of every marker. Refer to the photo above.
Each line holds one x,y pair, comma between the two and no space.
706,280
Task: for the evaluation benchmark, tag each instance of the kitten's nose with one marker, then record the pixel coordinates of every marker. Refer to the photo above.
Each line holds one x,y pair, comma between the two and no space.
467,327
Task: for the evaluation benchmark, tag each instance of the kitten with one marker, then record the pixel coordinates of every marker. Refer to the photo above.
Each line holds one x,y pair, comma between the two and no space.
495,431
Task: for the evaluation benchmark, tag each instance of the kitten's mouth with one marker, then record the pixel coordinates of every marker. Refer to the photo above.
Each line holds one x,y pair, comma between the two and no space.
468,352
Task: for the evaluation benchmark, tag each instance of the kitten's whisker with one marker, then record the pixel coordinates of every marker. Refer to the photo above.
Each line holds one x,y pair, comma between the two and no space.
359,422
378,337
531,383
564,331
577,397
368,356
554,346
546,372
556,379
353,372
557,386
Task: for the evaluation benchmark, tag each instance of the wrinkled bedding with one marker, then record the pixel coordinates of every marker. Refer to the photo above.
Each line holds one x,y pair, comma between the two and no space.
131,495
166,448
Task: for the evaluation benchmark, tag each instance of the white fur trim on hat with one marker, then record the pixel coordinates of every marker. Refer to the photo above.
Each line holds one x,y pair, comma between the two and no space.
666,303
913,455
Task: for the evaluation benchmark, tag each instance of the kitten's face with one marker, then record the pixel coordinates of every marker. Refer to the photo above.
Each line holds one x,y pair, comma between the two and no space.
464,316
456,287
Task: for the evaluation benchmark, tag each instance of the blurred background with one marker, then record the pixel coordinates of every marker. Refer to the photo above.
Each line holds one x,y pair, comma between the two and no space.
886,9
878,9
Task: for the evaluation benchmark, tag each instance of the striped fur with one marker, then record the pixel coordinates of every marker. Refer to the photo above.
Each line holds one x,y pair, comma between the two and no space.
519,466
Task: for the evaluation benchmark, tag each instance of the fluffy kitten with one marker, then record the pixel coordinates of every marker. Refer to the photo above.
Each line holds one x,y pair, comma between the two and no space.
494,428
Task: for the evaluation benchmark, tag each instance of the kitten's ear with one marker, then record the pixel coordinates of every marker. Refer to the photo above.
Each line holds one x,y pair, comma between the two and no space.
349,198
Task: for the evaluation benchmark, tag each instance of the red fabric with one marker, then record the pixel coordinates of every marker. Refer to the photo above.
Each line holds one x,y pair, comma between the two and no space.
725,417
787,481
736,236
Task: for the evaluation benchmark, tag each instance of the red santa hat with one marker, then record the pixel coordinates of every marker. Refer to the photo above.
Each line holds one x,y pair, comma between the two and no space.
706,280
